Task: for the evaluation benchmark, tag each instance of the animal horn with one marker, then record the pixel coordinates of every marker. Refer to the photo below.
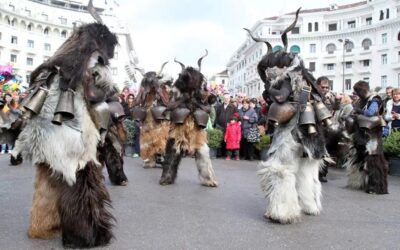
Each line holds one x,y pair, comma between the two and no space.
260,40
200,59
141,71
93,12
162,67
182,65
284,34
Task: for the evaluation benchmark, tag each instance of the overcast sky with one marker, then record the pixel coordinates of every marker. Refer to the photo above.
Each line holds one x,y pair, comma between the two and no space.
164,29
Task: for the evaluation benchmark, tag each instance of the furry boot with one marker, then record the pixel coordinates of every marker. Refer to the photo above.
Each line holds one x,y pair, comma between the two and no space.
205,168
308,186
85,220
170,164
45,218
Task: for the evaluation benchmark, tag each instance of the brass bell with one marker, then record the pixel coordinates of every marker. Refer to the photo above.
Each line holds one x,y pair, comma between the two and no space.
57,119
65,107
312,129
323,113
308,118
34,104
281,113
102,115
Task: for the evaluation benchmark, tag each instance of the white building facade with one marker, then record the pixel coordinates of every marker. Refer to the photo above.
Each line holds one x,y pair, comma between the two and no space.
32,30
347,43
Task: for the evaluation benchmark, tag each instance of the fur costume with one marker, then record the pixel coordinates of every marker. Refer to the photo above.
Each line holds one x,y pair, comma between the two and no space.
111,152
70,194
153,94
289,177
366,166
186,136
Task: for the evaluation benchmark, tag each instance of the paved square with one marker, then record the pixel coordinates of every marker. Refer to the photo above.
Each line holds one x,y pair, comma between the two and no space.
187,215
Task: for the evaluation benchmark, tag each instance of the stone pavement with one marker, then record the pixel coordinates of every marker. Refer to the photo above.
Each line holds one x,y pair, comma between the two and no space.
189,216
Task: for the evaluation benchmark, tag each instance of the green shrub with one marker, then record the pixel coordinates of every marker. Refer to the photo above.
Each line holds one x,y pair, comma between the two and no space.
391,144
265,141
215,138
129,126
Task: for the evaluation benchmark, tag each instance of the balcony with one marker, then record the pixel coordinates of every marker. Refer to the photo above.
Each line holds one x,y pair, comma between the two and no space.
395,65
364,70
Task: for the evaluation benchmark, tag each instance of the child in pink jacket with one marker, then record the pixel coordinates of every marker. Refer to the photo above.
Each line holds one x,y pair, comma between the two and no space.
233,135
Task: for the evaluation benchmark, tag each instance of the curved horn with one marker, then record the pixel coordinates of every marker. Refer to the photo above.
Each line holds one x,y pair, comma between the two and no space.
260,40
93,12
141,71
200,59
284,34
162,67
182,65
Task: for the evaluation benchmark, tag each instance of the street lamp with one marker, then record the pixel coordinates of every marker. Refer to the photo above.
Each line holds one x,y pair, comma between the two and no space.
345,42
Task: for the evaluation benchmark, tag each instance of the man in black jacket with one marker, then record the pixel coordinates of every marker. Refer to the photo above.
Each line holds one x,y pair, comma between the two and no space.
224,113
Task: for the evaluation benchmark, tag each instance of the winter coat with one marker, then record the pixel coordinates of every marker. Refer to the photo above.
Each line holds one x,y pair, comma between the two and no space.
224,115
250,123
233,135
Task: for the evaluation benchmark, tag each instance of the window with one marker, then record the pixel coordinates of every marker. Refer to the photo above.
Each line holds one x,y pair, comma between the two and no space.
47,47
330,66
12,7
330,48
13,58
368,21
29,27
366,79
64,34
277,48
13,22
381,15
28,12
366,43
349,65
30,44
330,82
309,27
45,17
365,63
387,13
311,66
398,56
315,26
383,81
347,82
295,49
114,71
332,27
384,38
14,40
46,31
296,30
313,48
28,77
349,46
351,24
29,61
384,59
63,20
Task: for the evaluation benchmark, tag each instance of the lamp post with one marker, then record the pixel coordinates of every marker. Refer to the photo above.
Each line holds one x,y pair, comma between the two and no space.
345,42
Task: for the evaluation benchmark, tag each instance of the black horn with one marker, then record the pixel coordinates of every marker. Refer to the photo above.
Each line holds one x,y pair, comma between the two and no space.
200,59
260,40
182,65
93,12
162,67
284,34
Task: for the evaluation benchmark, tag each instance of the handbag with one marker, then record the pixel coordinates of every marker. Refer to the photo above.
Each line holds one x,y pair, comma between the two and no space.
253,135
